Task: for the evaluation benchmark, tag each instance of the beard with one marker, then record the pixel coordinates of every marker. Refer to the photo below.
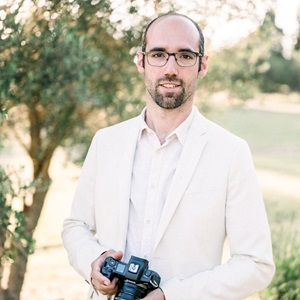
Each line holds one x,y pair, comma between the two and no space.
169,100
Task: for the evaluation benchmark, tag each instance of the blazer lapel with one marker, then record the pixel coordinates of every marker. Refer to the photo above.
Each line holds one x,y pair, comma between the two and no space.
190,156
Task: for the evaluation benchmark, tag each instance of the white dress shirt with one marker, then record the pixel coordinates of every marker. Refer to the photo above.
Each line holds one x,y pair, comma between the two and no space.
153,171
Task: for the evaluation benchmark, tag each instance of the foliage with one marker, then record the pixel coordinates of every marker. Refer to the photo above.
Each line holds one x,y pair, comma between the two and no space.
57,66
60,62
283,74
14,241
13,238
256,64
286,282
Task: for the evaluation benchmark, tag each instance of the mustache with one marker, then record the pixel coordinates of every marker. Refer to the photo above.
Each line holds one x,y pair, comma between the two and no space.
173,79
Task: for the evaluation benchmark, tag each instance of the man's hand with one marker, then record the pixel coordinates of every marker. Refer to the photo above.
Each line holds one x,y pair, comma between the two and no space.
156,294
99,281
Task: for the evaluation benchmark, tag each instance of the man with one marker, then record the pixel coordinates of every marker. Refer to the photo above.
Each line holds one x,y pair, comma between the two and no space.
170,186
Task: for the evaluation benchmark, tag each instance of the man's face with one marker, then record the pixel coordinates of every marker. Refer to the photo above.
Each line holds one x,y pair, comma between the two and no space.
171,85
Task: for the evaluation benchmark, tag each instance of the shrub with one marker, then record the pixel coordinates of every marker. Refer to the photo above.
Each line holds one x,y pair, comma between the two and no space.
286,282
13,238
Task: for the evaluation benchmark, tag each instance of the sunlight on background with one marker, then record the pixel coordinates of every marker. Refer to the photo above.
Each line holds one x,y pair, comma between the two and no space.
286,15
286,18
222,32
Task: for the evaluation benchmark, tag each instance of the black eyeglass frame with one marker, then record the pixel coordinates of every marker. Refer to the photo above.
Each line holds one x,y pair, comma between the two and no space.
198,54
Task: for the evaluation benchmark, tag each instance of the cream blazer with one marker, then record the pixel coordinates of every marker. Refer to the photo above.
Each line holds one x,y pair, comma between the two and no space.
214,194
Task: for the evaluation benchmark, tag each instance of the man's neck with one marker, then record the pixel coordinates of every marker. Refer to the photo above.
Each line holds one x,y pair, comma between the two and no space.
164,121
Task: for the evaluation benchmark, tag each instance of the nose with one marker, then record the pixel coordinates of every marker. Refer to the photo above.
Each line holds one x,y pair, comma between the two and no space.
171,66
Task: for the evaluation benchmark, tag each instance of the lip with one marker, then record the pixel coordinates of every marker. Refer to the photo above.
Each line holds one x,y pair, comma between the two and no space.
169,85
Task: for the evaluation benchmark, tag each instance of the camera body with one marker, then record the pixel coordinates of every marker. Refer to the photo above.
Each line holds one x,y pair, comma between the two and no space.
135,279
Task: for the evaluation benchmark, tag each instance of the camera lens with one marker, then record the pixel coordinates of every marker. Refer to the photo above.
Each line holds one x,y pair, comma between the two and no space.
131,291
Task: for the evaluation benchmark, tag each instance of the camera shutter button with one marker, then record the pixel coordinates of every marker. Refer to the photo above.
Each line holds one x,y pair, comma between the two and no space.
147,273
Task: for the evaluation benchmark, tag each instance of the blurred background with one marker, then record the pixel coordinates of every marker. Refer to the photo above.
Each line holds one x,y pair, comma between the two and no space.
67,69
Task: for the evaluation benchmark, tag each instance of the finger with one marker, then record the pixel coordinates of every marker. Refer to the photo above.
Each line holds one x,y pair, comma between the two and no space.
113,253
118,255
96,267
99,281
95,272
110,289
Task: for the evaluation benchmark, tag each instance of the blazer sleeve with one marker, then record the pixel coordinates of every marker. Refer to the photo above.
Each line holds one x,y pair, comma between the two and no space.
250,267
78,234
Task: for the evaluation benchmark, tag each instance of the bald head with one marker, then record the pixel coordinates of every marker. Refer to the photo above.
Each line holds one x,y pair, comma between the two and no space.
176,19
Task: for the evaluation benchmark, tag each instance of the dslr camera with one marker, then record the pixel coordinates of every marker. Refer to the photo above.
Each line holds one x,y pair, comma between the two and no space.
135,280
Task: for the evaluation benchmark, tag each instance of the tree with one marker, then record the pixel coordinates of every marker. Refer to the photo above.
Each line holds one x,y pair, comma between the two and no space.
53,75
13,239
256,64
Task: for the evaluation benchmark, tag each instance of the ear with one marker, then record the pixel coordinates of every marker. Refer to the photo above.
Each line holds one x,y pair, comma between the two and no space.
139,60
203,70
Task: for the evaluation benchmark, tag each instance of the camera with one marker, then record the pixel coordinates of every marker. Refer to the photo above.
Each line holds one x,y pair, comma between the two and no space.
135,280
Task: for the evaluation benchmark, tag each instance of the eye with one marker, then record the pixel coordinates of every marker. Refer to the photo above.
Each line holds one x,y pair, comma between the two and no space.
186,55
157,54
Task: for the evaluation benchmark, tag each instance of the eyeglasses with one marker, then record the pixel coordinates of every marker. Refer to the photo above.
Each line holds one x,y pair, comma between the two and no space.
183,58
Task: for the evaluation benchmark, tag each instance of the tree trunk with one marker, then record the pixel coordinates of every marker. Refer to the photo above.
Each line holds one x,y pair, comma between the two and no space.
16,278
3,295
32,214
40,152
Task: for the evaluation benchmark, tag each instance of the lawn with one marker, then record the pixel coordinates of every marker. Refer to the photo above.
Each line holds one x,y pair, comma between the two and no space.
273,137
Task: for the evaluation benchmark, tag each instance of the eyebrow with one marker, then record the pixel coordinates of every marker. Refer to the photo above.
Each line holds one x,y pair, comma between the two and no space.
179,50
158,49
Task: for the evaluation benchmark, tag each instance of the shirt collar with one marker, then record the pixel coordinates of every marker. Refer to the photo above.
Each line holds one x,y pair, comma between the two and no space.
181,131
143,124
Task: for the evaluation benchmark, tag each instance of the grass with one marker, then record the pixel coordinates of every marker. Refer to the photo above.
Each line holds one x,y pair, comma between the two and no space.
273,137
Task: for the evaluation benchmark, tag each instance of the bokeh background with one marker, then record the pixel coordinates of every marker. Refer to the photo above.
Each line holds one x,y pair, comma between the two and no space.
67,69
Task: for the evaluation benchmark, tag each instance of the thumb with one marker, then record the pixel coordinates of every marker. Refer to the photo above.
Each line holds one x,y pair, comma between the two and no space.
118,255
